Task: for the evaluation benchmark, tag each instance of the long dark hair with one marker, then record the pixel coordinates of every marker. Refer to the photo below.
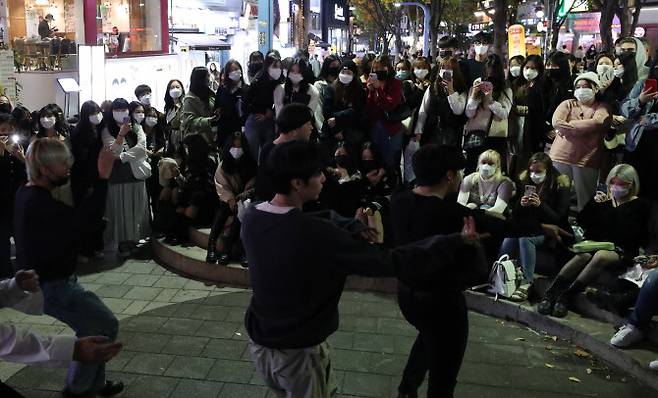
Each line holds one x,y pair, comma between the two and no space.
495,74
245,166
303,70
326,65
561,60
550,183
61,125
24,119
352,93
170,103
196,159
539,66
264,75
132,107
199,84
87,109
113,127
227,69
458,79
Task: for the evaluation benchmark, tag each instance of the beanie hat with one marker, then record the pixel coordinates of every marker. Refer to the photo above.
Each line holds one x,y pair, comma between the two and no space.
589,76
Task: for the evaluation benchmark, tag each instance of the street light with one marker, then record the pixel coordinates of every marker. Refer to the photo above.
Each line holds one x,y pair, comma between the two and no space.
426,23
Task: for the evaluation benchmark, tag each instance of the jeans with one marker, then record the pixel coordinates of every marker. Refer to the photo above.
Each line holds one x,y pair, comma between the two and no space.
526,248
258,133
87,315
390,146
646,305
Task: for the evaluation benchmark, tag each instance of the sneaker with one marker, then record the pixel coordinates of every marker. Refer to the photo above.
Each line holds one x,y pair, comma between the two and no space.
626,336
653,365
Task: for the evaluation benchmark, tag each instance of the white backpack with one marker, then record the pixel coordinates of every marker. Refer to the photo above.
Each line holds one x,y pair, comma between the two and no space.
503,277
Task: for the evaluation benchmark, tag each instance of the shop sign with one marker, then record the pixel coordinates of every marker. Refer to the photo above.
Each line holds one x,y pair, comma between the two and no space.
516,40
476,27
339,13
532,49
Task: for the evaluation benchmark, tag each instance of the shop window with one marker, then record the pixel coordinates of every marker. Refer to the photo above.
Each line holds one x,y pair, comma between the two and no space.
129,26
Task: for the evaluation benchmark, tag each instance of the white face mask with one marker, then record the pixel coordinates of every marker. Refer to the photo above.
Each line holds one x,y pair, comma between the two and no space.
584,95
618,192
275,73
96,119
295,78
48,122
236,152
151,121
601,69
515,71
481,49
120,116
421,73
538,178
345,78
235,75
619,72
487,170
175,93
530,74
139,117
145,99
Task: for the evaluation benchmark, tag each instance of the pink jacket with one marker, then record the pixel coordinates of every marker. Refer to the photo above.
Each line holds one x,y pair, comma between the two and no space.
580,130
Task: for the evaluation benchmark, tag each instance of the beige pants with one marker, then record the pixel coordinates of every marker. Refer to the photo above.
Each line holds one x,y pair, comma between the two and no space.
298,373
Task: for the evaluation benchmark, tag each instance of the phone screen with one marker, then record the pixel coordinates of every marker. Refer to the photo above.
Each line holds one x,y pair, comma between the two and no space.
126,119
529,190
447,75
372,76
650,84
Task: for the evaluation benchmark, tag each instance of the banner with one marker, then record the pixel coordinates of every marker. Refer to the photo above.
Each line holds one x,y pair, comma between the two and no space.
516,40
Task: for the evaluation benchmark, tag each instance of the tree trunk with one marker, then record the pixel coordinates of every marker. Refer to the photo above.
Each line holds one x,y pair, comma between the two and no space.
607,16
436,10
555,34
399,45
626,18
500,28
636,15
433,40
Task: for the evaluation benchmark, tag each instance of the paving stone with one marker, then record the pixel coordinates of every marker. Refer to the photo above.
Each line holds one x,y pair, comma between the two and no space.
188,295
350,360
196,285
89,278
340,339
150,364
364,384
232,390
353,323
143,323
395,326
151,387
224,348
374,342
144,342
380,309
166,295
502,354
231,371
39,394
112,278
39,320
121,360
113,291
178,326
142,280
143,293
156,308
239,299
139,267
136,307
197,389
190,367
186,345
92,287
387,364
210,313
8,369
39,378
224,330
403,344
236,314
174,282
117,305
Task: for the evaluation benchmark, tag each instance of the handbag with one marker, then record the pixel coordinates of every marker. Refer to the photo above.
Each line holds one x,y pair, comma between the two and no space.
476,138
504,278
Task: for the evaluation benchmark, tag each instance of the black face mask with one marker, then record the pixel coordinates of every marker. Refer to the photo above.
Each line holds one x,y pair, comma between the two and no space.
59,181
369,165
554,74
382,75
445,53
342,161
334,71
5,108
255,68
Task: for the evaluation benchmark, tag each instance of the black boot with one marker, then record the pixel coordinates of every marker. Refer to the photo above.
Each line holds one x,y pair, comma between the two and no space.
545,307
560,309
212,256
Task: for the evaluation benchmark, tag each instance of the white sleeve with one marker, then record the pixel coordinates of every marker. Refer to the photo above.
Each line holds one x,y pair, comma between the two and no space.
23,346
278,98
314,102
502,108
138,152
457,102
462,198
10,293
422,112
499,207
471,107
110,142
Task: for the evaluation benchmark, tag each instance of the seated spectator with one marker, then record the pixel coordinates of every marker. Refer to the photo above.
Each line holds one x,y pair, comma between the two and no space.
546,200
378,179
619,217
487,188
344,187
646,307
235,180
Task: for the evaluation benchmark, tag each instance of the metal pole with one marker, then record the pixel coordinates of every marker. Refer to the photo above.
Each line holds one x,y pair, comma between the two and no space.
426,23
265,22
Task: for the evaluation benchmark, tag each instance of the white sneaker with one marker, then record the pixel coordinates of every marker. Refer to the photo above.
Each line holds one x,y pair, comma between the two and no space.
626,336
654,365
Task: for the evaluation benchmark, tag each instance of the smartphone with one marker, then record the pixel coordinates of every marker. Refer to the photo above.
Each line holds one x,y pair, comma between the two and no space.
529,190
486,86
15,138
126,119
651,84
372,76
447,75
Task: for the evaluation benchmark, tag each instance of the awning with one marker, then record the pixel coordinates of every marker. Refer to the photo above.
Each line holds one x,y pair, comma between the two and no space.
200,41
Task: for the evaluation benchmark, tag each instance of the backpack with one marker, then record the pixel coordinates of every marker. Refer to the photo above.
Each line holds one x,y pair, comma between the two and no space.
503,278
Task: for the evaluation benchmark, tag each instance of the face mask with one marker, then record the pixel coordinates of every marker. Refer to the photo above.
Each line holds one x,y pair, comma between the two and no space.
145,99
481,49
601,69
421,73
139,117
345,78
334,71
255,68
515,71
487,170
382,75
275,73
530,74
120,116
538,178
618,192
96,119
445,53
236,152
402,75
584,95
151,121
47,122
235,75
619,72
295,78
175,93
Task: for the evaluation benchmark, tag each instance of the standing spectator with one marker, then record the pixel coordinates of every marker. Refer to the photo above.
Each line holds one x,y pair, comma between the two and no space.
173,111
590,56
24,125
47,238
297,89
12,175
331,67
580,125
526,88
53,124
441,115
482,42
422,68
254,65
215,76
229,101
156,143
197,116
636,47
127,207
579,54
315,66
259,103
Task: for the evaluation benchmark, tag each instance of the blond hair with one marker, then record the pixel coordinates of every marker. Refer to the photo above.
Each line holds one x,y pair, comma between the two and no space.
626,173
44,152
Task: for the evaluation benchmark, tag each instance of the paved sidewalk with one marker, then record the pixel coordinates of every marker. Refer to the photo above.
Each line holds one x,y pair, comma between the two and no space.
185,339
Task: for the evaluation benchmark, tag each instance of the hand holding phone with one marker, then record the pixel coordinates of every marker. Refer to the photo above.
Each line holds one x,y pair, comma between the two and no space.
447,75
529,190
651,85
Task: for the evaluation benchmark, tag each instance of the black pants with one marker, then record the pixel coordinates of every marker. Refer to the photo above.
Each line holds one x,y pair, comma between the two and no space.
6,269
8,392
93,206
233,235
442,323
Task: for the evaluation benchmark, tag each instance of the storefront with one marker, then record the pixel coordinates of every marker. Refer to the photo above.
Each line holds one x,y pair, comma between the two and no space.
336,25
